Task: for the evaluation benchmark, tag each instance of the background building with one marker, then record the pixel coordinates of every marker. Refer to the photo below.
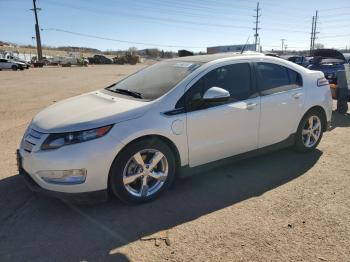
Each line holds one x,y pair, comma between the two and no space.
230,48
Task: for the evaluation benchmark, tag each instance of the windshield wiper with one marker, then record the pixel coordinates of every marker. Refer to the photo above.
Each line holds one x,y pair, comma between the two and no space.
127,92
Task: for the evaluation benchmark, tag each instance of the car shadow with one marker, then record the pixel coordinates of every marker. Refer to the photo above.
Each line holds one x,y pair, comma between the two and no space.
38,228
339,120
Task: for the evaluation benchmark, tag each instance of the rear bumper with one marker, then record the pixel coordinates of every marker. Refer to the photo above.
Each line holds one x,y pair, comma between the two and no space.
93,196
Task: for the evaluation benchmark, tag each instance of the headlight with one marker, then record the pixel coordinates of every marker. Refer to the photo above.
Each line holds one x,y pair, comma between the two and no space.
54,141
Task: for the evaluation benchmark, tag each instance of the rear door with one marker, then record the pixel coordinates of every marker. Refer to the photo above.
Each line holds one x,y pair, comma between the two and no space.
282,96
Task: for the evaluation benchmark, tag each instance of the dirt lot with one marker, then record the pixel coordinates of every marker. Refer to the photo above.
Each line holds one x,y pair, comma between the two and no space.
277,207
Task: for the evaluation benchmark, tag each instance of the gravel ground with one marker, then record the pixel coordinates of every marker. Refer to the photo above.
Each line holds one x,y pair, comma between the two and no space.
281,206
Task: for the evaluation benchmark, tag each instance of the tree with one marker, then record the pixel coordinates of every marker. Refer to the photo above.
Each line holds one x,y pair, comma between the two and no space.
319,46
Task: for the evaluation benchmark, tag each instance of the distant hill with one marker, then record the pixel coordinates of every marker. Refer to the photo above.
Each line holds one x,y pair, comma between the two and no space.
77,49
2,43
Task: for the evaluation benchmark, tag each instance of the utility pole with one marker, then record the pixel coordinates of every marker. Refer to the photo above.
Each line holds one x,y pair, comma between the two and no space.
37,32
282,40
315,31
256,29
312,34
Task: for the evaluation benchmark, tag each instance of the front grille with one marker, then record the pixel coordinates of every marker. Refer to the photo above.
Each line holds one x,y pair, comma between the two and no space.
31,139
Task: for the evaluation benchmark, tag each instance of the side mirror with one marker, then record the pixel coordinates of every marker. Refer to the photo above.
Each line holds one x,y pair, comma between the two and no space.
216,94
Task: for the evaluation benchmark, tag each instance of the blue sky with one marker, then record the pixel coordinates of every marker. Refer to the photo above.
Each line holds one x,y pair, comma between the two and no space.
173,25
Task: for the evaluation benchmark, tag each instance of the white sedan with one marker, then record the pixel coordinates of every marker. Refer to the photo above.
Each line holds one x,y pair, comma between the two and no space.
12,65
132,137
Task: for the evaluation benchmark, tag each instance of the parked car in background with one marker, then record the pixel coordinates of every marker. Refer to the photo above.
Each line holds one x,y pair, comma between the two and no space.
99,59
133,136
347,57
10,64
299,60
329,61
21,62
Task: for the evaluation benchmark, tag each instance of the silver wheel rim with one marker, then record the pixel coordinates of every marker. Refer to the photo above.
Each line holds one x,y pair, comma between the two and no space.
311,131
145,173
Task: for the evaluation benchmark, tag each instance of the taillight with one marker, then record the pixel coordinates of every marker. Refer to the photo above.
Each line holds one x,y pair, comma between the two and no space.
322,82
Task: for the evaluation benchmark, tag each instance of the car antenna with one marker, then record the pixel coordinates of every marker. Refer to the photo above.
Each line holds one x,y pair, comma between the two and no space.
245,45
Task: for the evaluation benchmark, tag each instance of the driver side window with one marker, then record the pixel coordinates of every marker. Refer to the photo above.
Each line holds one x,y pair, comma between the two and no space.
235,78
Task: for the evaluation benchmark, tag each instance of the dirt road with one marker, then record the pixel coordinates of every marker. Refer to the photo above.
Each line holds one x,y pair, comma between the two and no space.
277,207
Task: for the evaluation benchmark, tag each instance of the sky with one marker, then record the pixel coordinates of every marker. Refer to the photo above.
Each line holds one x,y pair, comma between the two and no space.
173,25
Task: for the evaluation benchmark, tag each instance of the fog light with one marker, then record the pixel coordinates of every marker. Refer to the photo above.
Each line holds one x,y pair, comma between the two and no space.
64,177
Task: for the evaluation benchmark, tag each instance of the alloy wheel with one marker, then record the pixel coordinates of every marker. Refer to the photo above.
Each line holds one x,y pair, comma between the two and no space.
145,173
311,131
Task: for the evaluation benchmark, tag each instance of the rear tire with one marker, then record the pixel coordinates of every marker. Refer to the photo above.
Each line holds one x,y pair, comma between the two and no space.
310,131
132,178
342,107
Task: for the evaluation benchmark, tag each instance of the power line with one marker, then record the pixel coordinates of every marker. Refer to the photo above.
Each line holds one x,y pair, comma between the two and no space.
116,40
169,20
332,36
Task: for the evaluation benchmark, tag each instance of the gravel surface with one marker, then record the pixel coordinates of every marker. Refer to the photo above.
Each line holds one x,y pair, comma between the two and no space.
282,206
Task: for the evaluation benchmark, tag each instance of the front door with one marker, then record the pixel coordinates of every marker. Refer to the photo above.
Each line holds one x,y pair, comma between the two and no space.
220,130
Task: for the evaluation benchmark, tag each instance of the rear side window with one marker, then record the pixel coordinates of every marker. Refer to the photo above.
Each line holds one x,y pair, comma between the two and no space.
295,78
275,78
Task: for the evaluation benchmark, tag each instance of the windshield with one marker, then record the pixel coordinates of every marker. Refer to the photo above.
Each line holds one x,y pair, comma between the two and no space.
155,80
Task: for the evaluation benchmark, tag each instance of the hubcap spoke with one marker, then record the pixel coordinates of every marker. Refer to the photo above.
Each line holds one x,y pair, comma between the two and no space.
311,121
129,179
144,187
314,136
158,175
308,139
138,159
305,132
155,160
316,126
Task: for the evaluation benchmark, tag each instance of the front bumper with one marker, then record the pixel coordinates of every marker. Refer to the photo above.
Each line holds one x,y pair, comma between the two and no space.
99,196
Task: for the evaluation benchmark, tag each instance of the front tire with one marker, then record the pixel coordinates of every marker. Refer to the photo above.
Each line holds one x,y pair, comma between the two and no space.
142,171
14,68
310,131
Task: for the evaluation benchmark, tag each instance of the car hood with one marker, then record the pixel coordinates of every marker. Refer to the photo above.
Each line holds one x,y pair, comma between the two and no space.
329,53
88,111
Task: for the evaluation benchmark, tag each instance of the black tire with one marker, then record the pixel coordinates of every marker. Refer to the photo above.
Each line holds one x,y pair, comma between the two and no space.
342,107
115,183
14,68
299,145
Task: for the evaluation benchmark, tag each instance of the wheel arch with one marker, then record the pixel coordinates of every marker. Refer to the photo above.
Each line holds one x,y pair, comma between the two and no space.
158,137
162,138
322,111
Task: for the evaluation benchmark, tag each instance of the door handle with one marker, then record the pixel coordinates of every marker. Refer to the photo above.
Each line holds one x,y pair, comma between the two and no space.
251,106
297,95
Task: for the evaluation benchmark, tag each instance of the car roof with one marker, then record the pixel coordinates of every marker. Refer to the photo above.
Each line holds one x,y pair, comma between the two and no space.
213,57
